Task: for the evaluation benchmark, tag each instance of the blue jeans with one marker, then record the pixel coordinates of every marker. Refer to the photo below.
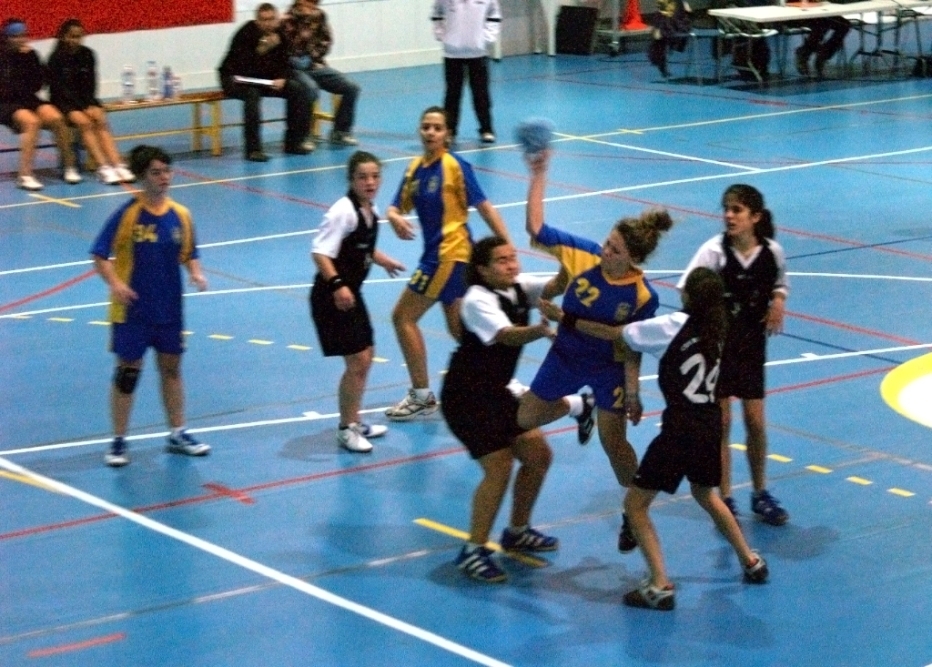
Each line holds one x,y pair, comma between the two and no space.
332,81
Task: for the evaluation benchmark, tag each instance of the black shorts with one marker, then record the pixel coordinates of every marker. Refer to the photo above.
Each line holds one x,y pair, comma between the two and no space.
742,369
485,423
7,110
688,446
340,332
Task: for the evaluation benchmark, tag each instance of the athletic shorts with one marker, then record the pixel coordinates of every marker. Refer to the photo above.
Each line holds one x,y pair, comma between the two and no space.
340,332
686,447
559,376
742,370
441,281
129,342
486,426
7,110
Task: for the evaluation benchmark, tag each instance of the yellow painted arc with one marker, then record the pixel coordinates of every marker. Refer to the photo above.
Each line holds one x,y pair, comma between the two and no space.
907,382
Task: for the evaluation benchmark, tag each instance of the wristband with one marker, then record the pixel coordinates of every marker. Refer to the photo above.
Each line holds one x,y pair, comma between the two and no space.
569,321
335,283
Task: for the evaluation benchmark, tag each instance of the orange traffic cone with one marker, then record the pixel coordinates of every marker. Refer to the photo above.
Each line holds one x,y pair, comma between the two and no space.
631,19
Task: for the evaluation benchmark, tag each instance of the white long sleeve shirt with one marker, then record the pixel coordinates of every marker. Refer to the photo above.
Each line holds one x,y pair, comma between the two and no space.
466,27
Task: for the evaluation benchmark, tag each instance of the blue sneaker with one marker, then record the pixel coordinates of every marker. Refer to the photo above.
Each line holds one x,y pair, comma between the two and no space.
768,509
372,430
479,565
118,455
528,540
586,420
185,444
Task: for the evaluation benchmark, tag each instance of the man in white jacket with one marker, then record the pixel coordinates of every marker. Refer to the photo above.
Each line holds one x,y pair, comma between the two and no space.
466,28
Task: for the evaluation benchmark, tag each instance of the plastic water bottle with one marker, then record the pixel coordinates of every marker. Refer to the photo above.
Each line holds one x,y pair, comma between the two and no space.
176,86
152,81
128,85
167,79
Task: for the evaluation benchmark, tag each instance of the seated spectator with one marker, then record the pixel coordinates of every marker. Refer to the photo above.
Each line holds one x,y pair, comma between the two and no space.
816,43
72,70
308,37
671,22
23,111
257,52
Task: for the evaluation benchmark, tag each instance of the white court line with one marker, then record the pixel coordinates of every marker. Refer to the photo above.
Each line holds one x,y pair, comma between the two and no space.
313,416
679,156
258,568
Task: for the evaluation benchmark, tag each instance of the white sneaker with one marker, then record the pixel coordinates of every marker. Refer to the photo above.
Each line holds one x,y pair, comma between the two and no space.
28,182
343,139
126,176
352,439
372,430
108,175
72,176
411,407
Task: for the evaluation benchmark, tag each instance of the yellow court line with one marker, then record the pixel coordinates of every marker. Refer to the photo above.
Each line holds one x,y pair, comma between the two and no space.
61,319
859,480
26,480
259,341
779,457
527,559
53,200
301,348
819,469
220,337
901,492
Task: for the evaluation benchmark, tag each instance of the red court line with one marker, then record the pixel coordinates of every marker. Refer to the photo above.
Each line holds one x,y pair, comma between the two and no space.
281,483
253,190
851,327
77,646
222,490
49,291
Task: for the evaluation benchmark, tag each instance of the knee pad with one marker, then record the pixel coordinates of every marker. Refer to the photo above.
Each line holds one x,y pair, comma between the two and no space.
125,379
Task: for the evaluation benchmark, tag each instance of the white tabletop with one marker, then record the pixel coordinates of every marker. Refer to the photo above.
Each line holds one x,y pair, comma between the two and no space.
812,10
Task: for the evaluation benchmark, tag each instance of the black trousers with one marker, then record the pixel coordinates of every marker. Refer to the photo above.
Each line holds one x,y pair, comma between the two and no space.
298,111
455,71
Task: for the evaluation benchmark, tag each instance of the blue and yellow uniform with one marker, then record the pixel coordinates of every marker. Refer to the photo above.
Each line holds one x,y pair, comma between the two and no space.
441,192
148,246
575,360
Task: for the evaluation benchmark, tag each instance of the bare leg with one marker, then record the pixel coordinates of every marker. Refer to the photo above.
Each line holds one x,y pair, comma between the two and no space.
85,126
53,120
353,385
104,137
725,487
534,412
613,435
488,496
636,505
172,387
532,450
726,523
28,125
756,427
408,311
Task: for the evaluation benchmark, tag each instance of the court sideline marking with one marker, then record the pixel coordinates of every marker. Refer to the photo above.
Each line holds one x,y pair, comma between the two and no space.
256,567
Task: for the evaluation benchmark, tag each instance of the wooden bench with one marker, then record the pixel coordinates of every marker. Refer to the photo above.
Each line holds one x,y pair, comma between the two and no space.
200,128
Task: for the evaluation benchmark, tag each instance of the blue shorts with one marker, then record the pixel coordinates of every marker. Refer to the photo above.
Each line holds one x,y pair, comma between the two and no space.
441,281
130,341
560,376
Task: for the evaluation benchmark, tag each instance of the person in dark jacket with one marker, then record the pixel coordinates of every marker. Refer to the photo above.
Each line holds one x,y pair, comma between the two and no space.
72,72
257,52
23,111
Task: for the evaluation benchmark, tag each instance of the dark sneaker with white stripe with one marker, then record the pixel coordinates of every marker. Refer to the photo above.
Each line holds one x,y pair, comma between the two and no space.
648,596
768,509
184,443
118,455
528,540
479,565
586,421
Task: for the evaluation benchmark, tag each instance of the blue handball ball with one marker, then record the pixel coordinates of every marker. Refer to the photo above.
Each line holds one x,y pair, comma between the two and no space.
534,135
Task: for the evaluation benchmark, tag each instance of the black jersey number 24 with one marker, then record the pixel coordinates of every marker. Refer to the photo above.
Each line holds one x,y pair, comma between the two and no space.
701,388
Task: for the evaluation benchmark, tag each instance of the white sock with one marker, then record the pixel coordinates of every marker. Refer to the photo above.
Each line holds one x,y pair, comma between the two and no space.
576,404
422,394
177,431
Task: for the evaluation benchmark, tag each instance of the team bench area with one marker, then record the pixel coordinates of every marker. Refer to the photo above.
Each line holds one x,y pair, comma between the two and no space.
201,127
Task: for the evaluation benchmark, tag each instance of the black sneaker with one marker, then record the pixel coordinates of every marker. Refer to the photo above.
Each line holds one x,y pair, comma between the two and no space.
586,420
257,156
627,542
731,505
648,596
118,455
480,565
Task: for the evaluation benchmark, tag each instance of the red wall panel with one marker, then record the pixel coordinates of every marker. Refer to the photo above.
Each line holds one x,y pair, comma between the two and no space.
98,16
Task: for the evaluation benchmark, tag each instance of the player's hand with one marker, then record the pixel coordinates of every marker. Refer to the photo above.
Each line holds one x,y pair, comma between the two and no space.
633,408
199,281
773,322
550,310
123,293
402,227
344,299
392,267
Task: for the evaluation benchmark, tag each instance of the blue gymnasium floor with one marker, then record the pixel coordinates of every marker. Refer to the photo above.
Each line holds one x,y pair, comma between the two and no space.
280,549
